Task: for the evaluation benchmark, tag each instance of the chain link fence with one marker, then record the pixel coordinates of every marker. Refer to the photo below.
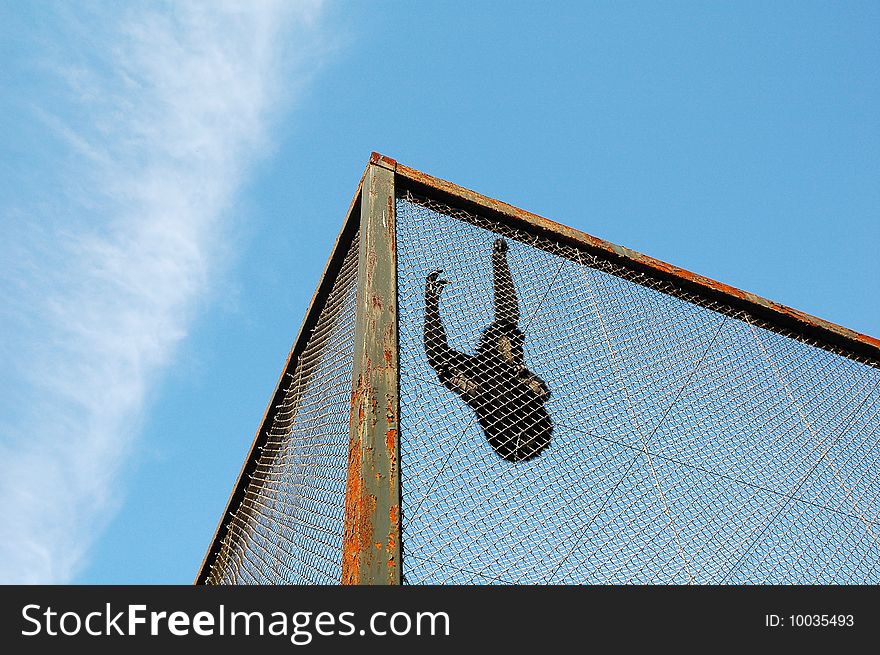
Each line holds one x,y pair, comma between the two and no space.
565,418
288,529
689,442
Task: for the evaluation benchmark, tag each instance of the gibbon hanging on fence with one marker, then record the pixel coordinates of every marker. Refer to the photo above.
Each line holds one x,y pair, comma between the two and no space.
507,398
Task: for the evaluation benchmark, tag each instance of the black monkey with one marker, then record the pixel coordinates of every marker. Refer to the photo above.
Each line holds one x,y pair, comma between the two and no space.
507,397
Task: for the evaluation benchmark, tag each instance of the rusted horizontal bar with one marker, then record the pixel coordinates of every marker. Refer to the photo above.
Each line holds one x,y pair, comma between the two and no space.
773,313
325,284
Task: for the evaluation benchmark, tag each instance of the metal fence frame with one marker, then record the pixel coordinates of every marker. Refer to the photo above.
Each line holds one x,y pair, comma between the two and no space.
371,552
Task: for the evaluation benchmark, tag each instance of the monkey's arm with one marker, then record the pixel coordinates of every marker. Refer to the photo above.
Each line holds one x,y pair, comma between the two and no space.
506,307
452,366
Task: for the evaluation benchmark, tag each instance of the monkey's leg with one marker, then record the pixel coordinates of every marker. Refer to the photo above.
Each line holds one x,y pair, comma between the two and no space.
506,307
535,384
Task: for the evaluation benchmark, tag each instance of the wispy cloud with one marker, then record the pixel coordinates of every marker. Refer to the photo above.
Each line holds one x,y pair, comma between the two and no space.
161,113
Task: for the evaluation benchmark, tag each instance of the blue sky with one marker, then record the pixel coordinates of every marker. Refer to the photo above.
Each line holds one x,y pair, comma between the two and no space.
173,176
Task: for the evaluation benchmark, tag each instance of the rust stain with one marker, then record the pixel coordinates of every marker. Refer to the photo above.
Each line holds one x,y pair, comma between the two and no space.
389,337
381,160
355,404
354,508
393,531
389,224
360,504
391,436
366,521
390,413
391,440
356,396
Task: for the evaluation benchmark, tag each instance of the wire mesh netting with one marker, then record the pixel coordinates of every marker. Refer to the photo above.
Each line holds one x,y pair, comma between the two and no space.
609,427
288,528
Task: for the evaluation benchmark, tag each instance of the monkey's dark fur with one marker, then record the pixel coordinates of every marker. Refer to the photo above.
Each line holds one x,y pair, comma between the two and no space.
507,397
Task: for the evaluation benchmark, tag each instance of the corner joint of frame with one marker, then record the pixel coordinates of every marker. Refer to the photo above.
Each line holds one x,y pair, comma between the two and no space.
378,159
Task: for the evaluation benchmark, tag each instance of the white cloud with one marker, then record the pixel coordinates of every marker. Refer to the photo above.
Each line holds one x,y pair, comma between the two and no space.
164,111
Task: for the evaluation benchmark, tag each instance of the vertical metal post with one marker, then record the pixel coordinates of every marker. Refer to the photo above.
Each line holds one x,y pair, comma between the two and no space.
371,541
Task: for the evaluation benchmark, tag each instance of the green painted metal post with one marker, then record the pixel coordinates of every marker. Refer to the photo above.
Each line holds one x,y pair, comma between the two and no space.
371,542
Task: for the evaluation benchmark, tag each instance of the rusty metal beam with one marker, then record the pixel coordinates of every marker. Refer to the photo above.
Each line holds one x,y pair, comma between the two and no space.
775,314
371,541
310,320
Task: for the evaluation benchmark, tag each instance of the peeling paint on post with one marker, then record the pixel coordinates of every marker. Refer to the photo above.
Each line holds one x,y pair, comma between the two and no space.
371,541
